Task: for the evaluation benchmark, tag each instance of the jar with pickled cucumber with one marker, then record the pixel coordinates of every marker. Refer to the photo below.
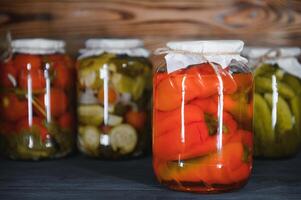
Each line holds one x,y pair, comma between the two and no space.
114,91
202,116
277,101
36,100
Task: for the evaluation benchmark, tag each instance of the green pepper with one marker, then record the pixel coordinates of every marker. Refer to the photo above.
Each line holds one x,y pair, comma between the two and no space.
293,82
296,110
265,70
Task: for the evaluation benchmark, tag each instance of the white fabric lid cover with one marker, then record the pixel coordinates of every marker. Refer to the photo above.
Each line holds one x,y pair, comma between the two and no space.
257,52
208,46
286,59
38,46
130,47
100,43
182,54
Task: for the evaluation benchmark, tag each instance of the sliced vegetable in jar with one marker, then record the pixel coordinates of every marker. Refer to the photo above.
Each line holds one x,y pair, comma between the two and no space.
114,120
89,138
123,138
123,83
90,114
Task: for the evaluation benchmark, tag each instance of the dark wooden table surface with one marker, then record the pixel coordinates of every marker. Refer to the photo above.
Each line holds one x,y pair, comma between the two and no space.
78,177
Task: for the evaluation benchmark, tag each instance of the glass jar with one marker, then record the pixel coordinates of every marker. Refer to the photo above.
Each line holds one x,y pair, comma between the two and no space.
202,117
277,101
114,90
35,100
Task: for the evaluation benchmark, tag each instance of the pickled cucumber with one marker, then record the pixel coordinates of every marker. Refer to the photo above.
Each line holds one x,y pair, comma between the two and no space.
265,70
262,120
279,74
284,121
296,110
264,85
138,87
90,114
293,82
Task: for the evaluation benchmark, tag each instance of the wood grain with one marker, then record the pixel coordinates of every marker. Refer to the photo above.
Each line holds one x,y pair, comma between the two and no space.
266,22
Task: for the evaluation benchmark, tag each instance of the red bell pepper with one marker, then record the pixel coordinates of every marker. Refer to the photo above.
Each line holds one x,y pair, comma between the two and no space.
187,85
223,167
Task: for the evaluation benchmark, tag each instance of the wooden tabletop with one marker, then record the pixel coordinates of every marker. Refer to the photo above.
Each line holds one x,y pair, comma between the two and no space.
78,177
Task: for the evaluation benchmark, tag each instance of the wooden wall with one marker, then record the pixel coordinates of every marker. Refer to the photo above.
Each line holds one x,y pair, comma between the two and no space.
258,22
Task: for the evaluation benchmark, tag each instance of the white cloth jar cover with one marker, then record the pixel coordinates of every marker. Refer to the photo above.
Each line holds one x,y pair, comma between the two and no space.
130,47
181,54
38,46
285,57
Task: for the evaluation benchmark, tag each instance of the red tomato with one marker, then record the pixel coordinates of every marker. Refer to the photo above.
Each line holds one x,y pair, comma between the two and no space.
7,73
36,123
13,109
66,120
136,119
7,128
62,71
37,79
62,77
58,101
21,61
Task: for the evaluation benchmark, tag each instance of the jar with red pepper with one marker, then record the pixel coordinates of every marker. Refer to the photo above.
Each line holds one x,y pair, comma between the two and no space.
202,117
35,100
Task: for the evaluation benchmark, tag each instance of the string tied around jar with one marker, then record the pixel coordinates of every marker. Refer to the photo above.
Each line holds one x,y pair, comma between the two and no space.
269,55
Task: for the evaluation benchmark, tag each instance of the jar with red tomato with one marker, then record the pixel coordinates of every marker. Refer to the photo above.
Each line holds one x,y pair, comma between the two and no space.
202,117
114,90
36,100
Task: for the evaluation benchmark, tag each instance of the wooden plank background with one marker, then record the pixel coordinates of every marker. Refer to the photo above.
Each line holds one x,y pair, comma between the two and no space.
266,22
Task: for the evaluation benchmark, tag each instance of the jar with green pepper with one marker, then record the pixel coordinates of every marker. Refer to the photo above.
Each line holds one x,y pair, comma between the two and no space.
36,100
277,101
114,91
